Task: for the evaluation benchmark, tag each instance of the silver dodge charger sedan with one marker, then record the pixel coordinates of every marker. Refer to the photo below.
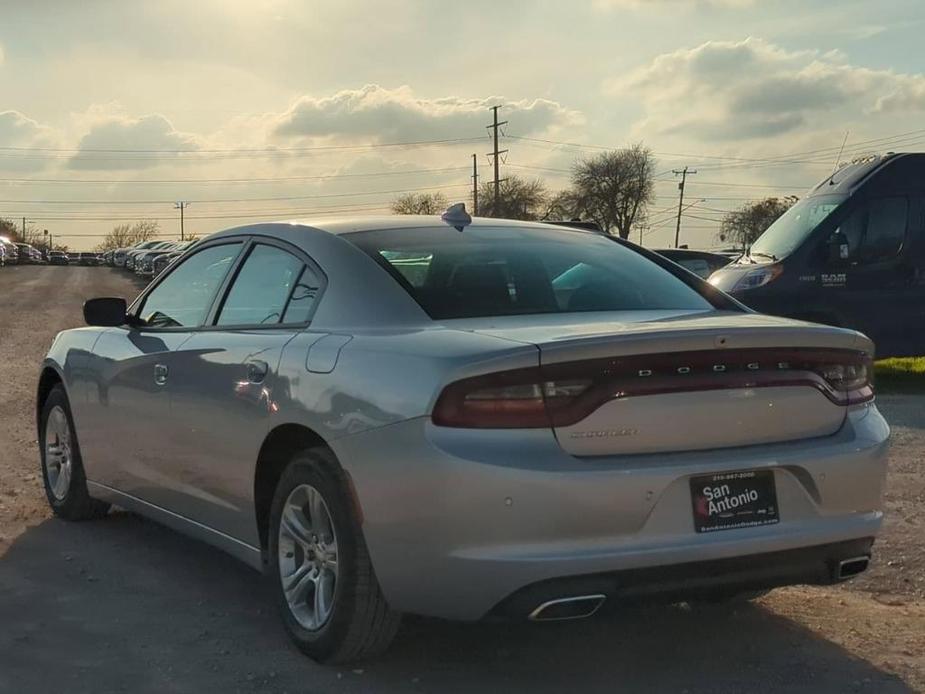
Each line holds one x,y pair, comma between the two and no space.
466,418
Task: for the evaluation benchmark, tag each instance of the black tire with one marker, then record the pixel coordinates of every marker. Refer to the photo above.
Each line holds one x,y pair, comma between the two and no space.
361,623
75,503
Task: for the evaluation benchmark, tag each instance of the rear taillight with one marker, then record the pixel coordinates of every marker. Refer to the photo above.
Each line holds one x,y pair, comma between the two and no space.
564,394
519,399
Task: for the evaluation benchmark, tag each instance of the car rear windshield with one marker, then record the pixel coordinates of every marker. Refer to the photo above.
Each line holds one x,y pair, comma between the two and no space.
508,271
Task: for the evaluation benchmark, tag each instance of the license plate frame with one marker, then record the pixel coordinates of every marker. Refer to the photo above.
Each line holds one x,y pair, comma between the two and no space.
734,500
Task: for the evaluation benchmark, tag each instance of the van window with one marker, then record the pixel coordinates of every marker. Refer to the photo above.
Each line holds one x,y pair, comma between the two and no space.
876,230
793,227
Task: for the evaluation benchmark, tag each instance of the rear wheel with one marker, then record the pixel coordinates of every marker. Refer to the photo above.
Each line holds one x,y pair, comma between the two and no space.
327,591
62,468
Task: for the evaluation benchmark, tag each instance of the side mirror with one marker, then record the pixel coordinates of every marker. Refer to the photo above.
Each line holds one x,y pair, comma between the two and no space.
107,311
837,249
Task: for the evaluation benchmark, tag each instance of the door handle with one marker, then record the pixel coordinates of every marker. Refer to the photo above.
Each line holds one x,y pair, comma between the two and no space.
160,374
257,371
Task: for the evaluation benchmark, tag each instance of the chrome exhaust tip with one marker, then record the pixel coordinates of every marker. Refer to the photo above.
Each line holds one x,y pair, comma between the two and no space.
852,567
576,607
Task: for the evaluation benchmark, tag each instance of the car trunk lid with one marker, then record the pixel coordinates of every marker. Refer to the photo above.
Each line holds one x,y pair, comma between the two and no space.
672,381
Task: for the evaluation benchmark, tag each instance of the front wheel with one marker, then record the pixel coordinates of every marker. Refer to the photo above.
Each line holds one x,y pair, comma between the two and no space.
62,468
327,591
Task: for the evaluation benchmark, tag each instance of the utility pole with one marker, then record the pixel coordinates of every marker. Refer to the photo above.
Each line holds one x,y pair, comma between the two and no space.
683,172
181,206
475,185
496,155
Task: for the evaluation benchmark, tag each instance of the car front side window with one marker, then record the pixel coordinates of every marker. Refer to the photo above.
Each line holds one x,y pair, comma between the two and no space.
184,297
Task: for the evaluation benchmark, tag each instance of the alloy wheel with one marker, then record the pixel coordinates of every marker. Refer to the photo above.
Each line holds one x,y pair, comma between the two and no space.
308,557
58,455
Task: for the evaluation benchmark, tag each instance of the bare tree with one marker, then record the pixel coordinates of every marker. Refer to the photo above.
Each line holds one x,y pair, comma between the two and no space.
14,232
742,226
8,230
613,188
518,199
419,203
124,235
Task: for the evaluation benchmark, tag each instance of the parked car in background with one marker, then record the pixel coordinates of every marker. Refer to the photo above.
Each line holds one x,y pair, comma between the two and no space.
121,255
38,258
851,253
2,254
88,258
413,415
107,257
57,258
26,256
12,252
161,262
701,263
132,256
144,262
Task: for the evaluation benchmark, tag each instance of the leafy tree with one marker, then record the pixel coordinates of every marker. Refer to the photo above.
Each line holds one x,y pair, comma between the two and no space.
742,226
612,188
419,203
518,199
124,235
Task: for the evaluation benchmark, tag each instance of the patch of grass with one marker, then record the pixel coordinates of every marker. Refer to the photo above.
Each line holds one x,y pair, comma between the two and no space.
900,375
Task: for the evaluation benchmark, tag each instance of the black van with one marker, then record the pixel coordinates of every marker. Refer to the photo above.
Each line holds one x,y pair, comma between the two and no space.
851,253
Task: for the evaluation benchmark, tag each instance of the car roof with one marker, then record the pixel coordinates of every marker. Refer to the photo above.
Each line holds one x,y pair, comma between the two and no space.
339,226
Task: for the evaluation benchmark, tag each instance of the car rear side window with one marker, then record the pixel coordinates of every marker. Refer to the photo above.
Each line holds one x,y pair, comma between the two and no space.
270,285
515,271
184,296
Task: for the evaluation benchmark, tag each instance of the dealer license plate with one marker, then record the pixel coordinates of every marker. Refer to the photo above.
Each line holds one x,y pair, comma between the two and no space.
730,500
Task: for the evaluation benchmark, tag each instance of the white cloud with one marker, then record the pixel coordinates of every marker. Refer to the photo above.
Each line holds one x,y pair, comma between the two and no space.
19,131
728,90
378,113
110,128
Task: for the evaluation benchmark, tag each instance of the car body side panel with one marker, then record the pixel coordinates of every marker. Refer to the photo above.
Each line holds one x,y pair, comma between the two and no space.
381,378
122,429
70,355
219,415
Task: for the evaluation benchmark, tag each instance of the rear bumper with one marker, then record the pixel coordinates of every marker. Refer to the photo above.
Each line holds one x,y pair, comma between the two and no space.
706,580
457,522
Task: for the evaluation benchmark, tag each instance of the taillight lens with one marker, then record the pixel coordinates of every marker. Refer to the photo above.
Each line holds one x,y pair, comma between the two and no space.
851,381
519,399
565,393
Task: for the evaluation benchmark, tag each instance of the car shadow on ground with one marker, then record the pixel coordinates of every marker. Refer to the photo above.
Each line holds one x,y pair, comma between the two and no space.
123,604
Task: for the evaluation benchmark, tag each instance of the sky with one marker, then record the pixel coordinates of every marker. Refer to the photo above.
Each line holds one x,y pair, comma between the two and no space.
253,110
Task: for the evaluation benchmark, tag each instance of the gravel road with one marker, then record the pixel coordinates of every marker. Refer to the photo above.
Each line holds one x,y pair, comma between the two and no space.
123,605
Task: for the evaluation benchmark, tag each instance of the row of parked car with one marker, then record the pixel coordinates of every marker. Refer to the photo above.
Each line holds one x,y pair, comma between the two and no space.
12,253
148,258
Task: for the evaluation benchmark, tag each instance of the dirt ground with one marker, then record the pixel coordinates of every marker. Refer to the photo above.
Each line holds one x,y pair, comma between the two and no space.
123,605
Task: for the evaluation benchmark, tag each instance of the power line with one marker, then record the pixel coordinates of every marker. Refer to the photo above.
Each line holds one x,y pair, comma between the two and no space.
278,179
906,137
227,200
248,150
